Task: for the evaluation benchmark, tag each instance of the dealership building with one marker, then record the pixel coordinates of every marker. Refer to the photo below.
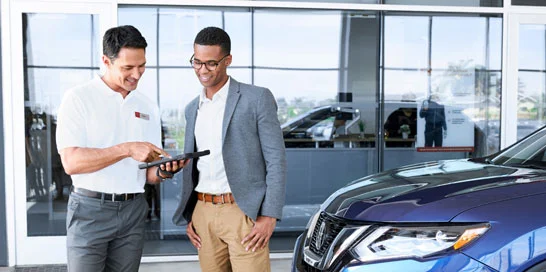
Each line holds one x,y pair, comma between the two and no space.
349,76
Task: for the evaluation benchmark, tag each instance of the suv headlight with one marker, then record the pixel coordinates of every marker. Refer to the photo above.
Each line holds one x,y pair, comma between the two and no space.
394,242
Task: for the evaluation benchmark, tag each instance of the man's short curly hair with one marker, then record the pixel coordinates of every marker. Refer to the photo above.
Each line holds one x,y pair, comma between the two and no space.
214,36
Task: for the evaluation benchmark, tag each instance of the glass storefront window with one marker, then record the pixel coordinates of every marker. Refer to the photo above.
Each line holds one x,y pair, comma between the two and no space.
303,58
441,102
310,60
60,51
324,68
531,111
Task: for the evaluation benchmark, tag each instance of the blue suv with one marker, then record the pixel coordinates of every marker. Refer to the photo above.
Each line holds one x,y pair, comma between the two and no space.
486,214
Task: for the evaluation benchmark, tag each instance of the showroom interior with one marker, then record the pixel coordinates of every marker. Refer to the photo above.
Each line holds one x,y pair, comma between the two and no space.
343,72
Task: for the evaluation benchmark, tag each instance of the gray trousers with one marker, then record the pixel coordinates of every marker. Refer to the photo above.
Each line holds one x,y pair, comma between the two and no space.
103,235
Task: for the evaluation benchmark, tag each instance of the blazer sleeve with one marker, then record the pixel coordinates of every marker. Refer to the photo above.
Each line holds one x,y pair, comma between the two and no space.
272,143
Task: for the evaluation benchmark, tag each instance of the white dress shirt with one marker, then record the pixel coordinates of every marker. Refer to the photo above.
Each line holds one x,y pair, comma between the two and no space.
208,135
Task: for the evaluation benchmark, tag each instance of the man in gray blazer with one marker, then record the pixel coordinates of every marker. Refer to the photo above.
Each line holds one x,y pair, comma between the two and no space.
232,198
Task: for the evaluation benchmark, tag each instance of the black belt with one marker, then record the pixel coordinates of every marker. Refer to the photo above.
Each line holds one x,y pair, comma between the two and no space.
105,196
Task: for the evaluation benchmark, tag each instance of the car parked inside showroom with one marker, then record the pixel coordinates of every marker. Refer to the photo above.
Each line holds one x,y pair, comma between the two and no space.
485,214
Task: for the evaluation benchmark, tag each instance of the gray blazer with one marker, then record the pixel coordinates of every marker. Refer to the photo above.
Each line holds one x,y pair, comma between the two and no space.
253,151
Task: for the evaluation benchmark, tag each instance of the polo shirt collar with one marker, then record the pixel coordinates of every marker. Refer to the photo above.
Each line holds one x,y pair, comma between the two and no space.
103,88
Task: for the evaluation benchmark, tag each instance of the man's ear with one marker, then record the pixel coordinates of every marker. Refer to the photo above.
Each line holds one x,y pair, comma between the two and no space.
229,59
106,61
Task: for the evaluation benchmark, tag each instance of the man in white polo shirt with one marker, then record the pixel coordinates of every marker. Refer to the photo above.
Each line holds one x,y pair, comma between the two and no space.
105,129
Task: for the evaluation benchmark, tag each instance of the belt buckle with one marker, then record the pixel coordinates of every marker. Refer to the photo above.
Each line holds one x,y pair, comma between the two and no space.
217,203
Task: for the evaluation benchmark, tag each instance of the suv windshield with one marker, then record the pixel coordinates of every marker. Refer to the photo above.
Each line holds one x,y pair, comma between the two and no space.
529,152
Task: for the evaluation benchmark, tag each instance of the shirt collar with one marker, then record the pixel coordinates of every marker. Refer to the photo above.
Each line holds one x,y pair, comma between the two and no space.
101,85
221,95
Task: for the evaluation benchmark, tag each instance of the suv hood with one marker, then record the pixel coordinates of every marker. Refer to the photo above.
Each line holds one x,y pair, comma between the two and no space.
431,192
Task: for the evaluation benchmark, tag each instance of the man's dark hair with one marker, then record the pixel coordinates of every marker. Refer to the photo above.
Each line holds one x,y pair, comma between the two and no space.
122,36
214,36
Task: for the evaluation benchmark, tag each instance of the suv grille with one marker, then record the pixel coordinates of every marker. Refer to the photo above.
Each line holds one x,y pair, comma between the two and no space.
326,230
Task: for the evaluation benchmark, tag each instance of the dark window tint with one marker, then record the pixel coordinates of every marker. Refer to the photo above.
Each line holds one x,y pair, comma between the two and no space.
541,3
457,3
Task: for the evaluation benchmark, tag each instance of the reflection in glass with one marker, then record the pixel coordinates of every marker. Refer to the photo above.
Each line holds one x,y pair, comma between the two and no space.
408,86
531,79
298,91
51,67
463,80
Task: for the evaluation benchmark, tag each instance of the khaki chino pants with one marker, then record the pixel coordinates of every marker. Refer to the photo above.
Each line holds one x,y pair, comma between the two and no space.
221,228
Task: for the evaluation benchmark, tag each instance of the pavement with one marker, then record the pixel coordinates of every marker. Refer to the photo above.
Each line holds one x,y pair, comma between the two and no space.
277,265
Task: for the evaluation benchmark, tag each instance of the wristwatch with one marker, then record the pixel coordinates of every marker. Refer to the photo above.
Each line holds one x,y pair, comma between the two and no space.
166,174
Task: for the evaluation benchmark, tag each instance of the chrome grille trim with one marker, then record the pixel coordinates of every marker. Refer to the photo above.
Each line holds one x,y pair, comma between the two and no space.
339,237
333,227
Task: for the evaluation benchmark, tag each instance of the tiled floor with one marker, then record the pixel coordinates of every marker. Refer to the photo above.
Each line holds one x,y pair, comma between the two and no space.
277,265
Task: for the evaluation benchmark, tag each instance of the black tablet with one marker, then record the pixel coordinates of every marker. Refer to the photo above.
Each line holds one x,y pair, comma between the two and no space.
175,158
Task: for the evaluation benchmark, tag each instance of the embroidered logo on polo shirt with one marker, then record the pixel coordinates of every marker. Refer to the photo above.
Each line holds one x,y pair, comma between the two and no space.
142,115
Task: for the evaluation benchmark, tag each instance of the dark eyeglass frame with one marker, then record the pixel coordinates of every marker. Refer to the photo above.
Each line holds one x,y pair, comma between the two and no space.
210,65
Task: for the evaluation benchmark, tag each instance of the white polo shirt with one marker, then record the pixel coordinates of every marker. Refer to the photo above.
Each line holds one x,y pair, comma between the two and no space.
94,116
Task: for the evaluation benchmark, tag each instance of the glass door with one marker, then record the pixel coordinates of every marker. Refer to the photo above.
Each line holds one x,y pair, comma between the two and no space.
526,75
54,46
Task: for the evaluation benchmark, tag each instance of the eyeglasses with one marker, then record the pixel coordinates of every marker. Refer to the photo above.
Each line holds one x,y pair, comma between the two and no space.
210,65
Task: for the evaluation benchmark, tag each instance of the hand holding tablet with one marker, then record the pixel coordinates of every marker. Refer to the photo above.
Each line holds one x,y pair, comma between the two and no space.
175,158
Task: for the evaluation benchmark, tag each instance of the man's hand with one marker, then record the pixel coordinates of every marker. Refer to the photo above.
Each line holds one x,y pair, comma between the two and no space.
260,234
194,238
445,133
174,166
144,151
166,171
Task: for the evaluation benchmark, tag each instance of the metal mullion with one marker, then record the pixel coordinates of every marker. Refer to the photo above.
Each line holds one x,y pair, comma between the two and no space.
429,62
315,5
252,51
380,113
158,93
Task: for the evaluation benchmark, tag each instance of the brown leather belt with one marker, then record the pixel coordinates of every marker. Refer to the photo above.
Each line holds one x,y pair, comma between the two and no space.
105,196
216,199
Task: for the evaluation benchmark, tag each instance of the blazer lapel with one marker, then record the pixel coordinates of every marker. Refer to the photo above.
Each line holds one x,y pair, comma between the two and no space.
231,103
190,126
